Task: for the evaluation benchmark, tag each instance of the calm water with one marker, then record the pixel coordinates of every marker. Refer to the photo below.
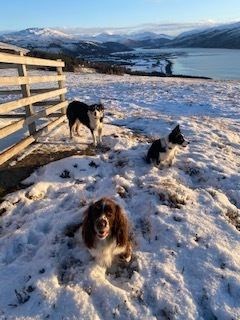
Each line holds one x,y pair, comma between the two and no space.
214,63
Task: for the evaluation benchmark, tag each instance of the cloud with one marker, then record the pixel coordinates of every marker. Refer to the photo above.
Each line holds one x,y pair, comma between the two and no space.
171,29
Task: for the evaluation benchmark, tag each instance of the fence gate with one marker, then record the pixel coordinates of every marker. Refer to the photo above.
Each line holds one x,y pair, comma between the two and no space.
33,103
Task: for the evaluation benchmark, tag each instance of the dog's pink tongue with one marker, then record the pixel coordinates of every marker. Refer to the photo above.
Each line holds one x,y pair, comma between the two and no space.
103,235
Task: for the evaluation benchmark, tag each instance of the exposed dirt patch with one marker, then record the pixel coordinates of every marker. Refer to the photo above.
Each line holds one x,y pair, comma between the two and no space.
11,176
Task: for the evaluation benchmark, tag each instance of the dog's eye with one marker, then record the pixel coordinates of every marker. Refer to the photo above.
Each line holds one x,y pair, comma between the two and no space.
108,210
108,214
98,207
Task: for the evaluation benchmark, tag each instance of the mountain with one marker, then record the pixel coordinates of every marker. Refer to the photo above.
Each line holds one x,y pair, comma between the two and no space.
36,36
223,36
44,36
147,44
55,41
122,38
76,42
140,39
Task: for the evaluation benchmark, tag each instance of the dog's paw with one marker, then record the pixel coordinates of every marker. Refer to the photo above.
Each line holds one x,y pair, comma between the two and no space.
124,259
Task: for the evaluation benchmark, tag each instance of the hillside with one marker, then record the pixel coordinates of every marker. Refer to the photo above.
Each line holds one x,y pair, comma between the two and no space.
185,218
225,36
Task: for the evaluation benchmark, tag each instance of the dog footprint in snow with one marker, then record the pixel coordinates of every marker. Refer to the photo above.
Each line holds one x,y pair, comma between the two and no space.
69,268
22,295
2,211
90,188
93,164
65,174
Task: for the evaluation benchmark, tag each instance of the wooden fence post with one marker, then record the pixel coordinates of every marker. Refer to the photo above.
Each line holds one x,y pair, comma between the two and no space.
61,84
22,72
29,99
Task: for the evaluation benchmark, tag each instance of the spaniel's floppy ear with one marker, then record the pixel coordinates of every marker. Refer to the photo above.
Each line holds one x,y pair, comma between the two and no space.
121,227
88,232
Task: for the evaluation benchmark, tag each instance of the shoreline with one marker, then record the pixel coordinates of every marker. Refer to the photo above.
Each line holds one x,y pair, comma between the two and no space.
168,73
164,75
114,67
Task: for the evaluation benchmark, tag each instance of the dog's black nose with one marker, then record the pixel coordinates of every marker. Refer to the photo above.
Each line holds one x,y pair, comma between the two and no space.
101,224
95,113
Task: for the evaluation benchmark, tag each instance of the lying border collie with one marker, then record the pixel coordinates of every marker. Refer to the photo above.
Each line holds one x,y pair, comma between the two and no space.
89,115
163,150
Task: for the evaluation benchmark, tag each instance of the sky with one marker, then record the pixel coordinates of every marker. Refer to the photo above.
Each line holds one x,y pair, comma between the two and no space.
22,14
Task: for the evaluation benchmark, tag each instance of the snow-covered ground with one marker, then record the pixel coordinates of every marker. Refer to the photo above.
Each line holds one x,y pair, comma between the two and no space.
186,219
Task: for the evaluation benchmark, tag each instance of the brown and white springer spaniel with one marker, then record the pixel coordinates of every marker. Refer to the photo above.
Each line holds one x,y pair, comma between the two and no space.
105,231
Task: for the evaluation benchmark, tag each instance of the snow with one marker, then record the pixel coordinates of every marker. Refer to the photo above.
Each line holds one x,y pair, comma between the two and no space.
185,218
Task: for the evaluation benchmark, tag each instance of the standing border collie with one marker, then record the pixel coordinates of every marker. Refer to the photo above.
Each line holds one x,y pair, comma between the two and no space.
89,115
163,150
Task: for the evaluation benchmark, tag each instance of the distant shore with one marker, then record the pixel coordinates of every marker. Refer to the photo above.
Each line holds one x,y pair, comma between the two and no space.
164,75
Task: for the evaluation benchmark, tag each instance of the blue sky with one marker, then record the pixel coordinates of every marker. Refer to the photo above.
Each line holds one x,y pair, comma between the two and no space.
21,14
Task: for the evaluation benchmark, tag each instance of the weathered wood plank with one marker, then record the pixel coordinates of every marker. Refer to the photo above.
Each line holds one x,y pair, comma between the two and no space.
46,103
15,149
11,128
11,58
12,105
17,125
22,72
12,116
17,81
20,146
35,91
61,84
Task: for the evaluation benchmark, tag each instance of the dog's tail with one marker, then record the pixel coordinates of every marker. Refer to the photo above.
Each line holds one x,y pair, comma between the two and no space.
69,111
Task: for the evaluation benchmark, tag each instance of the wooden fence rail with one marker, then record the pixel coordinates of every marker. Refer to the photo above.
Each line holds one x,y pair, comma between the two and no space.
31,97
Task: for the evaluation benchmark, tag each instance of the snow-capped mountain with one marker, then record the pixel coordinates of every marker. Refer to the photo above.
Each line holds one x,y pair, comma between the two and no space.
135,36
55,41
149,36
222,36
46,36
36,36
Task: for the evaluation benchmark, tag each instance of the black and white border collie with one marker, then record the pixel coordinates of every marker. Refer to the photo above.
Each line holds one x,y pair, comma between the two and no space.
163,150
89,115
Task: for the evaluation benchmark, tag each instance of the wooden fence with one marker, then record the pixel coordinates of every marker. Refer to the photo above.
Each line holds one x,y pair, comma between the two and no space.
30,99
